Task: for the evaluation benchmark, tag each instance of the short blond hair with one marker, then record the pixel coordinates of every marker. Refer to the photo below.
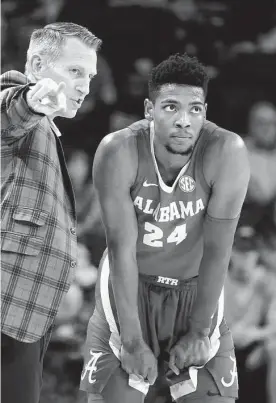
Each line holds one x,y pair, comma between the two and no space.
50,39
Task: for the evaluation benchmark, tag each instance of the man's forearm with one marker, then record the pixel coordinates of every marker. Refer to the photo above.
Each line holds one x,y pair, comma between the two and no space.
19,118
219,235
124,279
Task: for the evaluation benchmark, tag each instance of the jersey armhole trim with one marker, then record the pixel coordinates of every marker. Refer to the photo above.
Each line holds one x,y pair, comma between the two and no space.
133,186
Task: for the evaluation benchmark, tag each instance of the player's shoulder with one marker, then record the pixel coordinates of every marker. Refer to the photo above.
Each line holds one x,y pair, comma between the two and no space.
221,139
225,149
117,154
124,140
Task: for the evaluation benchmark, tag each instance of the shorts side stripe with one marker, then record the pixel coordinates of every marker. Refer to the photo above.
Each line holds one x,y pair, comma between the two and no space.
115,340
105,296
189,385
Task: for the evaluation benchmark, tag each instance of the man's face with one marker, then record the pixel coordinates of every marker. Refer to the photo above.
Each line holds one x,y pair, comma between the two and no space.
178,112
76,66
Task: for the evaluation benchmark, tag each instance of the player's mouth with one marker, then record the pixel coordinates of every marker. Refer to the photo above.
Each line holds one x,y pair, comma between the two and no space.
181,134
181,137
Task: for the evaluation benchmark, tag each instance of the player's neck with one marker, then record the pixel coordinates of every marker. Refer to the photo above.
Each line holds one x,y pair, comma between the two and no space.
168,160
169,165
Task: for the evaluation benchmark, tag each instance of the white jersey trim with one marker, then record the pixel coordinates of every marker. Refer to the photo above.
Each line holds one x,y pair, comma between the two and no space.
166,188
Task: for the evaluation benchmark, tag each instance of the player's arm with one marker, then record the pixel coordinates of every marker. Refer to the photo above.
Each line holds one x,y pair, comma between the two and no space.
229,182
114,173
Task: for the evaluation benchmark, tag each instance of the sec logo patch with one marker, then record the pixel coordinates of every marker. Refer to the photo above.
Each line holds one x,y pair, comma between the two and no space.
186,184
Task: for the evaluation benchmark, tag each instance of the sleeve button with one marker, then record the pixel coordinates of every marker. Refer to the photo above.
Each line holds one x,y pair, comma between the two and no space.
73,230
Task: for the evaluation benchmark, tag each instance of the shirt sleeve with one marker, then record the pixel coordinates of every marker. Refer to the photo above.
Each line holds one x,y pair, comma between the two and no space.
16,115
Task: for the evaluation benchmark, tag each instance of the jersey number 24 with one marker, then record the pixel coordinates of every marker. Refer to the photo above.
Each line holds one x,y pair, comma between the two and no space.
155,237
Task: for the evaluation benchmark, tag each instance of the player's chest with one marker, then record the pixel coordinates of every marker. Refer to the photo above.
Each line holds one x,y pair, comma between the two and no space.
166,204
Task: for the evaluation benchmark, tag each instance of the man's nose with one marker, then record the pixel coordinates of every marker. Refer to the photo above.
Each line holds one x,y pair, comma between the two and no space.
83,87
183,121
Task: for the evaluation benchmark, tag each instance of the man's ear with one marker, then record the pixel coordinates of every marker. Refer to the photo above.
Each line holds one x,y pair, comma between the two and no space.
206,106
37,66
148,108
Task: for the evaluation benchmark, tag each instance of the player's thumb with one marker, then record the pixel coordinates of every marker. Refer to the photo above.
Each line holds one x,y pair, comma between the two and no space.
172,364
152,375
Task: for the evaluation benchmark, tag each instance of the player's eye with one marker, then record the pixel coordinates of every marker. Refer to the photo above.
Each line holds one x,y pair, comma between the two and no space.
196,109
170,108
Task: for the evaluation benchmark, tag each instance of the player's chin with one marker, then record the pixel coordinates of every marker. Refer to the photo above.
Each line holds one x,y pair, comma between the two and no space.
179,149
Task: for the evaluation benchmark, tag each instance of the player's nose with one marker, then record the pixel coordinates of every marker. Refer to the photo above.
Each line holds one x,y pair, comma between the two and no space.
183,121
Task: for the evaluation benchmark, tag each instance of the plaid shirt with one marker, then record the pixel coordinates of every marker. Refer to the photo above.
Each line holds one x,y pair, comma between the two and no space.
38,239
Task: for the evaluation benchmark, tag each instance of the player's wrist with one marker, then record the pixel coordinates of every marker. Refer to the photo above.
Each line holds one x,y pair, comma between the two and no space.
131,332
199,329
132,343
130,326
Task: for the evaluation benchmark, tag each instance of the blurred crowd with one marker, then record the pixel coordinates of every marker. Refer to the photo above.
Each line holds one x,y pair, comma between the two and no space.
236,40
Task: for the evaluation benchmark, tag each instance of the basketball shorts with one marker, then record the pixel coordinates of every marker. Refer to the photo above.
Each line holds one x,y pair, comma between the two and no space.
164,306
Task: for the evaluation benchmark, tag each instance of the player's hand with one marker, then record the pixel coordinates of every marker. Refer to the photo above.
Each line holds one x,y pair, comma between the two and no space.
47,97
191,350
138,359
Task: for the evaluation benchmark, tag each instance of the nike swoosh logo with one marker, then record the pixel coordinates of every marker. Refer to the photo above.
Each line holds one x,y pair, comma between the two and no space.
146,184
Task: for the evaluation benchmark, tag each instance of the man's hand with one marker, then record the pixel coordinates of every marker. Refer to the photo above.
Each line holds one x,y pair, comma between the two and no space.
191,349
138,359
47,97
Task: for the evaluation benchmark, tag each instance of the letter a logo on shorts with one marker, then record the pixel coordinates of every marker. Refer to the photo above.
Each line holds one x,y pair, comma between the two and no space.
187,184
233,374
91,367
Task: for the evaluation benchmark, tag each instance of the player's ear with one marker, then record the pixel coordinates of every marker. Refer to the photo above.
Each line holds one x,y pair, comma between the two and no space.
206,106
148,108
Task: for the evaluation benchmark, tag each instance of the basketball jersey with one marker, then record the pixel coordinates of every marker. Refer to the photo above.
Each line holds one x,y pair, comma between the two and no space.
170,218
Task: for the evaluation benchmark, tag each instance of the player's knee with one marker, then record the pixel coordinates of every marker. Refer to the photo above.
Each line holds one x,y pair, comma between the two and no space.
94,398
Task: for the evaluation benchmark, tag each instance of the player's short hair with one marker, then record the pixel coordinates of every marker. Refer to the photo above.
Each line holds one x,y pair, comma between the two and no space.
178,69
50,40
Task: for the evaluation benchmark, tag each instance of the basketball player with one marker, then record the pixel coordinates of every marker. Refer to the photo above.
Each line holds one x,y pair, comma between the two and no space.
171,188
